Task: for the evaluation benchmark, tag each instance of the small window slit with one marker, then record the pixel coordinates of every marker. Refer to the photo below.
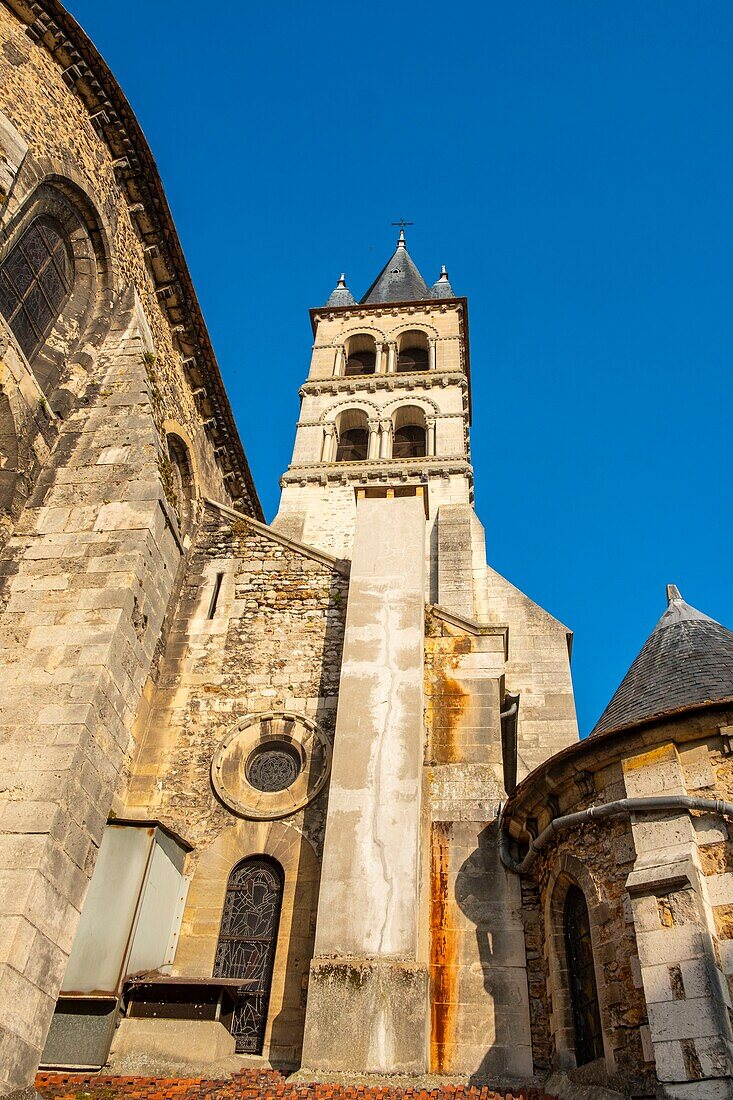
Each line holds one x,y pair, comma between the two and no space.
215,595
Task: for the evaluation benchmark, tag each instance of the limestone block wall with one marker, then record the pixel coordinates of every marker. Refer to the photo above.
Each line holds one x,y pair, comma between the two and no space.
658,889
538,668
86,581
273,643
480,1023
95,522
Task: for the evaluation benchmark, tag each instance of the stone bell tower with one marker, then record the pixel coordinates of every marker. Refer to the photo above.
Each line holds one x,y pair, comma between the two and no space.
443,688
385,408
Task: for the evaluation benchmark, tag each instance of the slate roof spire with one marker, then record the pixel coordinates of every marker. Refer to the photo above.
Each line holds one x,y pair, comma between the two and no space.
686,662
399,280
442,288
341,295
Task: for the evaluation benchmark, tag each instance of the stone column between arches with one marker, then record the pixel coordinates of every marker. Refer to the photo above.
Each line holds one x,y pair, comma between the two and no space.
368,1007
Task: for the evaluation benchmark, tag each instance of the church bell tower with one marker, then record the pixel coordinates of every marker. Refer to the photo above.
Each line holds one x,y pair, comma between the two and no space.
385,408
452,684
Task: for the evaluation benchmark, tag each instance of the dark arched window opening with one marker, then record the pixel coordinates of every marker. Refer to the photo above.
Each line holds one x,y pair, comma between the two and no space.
409,442
353,445
247,943
182,481
361,362
413,358
35,281
582,979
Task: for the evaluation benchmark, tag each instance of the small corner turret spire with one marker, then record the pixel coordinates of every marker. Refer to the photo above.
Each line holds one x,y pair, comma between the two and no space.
442,288
341,295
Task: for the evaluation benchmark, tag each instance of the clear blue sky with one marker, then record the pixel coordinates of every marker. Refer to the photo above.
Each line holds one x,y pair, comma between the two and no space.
571,163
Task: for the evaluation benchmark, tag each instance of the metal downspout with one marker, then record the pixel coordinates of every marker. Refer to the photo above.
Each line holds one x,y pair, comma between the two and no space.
620,808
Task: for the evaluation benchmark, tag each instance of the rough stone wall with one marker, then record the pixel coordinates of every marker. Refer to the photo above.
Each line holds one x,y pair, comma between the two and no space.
607,854
61,140
274,643
659,890
94,539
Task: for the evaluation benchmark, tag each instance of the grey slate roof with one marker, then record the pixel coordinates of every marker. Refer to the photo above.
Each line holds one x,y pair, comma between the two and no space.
398,281
686,662
442,289
341,295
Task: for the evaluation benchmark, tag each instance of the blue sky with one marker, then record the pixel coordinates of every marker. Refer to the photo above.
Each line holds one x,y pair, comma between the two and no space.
571,164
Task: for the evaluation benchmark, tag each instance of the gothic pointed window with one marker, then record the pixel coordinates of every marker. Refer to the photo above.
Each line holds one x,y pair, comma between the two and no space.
36,278
247,943
582,978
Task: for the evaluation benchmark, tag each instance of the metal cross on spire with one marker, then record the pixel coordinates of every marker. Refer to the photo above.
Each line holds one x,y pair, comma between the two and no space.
402,223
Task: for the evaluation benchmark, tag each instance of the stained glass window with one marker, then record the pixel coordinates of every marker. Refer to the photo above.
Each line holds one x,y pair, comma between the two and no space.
246,947
35,280
273,766
582,979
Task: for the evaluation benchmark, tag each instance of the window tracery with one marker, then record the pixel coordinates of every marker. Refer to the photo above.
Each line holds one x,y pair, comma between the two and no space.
36,278
247,943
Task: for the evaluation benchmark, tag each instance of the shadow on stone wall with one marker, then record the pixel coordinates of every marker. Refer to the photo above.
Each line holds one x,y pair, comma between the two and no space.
289,1024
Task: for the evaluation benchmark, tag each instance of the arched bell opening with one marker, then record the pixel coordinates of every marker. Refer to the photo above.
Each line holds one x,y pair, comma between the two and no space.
352,429
409,434
361,355
413,352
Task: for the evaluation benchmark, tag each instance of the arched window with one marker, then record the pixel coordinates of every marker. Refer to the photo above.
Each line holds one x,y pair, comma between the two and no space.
412,352
582,978
361,355
182,481
247,943
353,436
409,435
36,278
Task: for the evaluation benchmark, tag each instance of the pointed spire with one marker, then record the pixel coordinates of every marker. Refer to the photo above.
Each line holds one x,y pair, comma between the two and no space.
341,295
686,662
399,280
442,288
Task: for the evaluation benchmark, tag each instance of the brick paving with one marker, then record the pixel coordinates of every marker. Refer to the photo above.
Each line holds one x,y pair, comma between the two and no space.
251,1085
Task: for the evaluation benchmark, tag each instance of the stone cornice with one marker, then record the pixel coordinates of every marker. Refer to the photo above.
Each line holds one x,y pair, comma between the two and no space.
386,470
370,383
85,72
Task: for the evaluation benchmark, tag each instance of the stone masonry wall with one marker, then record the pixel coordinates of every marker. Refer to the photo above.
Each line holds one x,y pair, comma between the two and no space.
92,558
273,643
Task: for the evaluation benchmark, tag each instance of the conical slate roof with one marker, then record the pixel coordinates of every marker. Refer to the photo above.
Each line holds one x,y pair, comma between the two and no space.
442,288
398,281
341,295
686,662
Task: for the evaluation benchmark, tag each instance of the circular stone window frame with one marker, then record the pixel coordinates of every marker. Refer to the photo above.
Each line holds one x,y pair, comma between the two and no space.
232,755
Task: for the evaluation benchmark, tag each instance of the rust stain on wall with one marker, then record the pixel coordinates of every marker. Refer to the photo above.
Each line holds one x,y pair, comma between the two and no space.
443,953
447,700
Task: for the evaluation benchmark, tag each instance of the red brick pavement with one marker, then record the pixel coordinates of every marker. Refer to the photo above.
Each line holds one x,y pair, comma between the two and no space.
250,1085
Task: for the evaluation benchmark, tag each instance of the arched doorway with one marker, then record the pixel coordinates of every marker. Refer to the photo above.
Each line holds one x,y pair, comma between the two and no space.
247,943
